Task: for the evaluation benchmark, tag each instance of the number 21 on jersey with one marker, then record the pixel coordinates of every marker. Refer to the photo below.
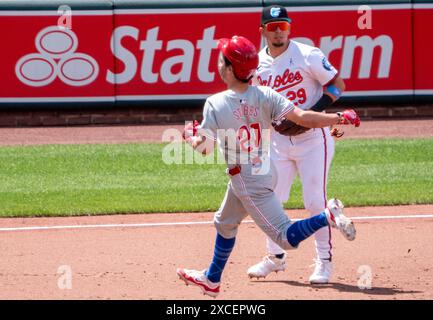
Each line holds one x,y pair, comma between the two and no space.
249,137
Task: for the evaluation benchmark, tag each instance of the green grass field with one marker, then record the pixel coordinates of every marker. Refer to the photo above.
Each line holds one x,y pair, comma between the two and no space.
57,180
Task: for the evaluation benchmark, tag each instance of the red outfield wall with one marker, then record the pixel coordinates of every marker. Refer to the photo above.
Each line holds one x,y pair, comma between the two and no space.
170,54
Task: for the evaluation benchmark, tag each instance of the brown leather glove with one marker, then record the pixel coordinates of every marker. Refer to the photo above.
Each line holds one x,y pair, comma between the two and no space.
335,132
288,128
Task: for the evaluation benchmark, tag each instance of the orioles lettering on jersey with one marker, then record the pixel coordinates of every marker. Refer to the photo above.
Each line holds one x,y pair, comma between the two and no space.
299,73
290,78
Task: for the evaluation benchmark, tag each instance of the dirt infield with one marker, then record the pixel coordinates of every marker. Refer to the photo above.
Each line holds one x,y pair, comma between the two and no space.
135,256
153,133
139,261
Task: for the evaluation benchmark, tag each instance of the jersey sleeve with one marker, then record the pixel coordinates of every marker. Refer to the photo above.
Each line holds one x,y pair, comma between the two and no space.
320,67
209,123
280,106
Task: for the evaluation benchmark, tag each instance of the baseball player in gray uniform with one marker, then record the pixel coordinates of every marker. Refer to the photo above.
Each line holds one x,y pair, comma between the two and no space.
238,119
303,75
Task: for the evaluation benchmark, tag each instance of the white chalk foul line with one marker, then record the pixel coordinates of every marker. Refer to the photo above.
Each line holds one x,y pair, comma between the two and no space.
409,216
162,224
102,226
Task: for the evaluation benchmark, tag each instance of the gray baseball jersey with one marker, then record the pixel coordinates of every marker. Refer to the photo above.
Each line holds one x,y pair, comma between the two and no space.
237,121
229,116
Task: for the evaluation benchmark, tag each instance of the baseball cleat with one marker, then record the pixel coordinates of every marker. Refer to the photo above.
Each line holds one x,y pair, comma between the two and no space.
270,263
198,278
322,272
337,219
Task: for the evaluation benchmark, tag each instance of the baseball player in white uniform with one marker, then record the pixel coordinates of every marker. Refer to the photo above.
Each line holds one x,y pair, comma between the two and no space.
303,75
237,119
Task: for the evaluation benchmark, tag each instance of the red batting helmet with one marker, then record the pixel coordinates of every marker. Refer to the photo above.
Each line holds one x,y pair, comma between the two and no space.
242,54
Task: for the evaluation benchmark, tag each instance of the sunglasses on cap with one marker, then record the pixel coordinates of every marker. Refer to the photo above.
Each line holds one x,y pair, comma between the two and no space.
282,25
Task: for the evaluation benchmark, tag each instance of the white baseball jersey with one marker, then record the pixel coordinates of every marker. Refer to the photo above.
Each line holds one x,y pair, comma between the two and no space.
299,73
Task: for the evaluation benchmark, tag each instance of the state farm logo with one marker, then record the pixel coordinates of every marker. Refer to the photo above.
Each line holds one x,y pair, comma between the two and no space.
56,58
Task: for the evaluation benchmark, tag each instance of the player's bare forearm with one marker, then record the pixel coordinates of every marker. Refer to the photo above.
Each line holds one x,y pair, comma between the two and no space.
311,119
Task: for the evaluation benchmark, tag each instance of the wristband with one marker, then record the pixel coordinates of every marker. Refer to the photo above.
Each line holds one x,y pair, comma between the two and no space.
336,92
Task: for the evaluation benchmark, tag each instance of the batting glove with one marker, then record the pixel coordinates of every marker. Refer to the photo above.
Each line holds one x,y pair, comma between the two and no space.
349,116
190,130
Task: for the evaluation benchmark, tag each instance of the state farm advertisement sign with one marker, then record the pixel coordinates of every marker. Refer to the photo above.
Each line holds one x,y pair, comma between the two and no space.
173,54
151,55
41,62
372,61
423,26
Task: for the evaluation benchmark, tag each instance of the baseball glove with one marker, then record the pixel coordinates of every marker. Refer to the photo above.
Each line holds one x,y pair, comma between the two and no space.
288,128
335,132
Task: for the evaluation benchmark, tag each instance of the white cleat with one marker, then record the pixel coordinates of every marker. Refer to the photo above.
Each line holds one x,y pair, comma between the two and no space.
199,279
270,263
336,218
322,272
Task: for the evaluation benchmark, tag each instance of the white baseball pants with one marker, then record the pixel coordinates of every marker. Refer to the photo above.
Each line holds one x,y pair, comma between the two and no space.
309,155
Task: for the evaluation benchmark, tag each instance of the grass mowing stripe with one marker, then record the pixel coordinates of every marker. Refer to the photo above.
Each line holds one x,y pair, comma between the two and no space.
129,178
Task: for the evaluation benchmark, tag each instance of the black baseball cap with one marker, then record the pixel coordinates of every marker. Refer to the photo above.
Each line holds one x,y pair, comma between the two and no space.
274,13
